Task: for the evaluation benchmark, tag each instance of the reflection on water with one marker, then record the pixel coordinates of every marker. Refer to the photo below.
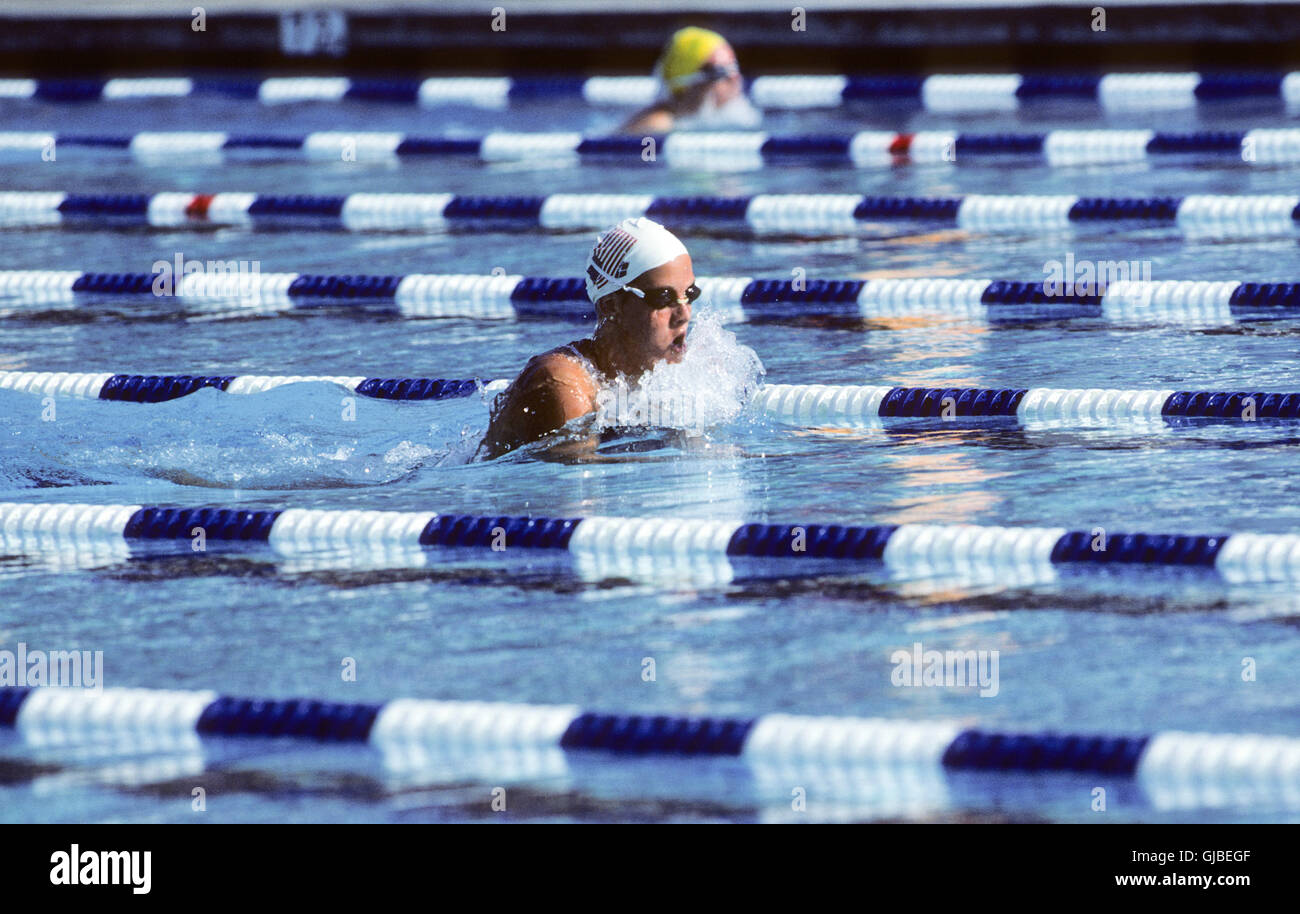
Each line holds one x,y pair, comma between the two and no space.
929,462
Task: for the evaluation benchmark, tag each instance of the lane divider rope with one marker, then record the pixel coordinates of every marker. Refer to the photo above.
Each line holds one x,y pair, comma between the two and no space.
136,388
220,285
798,404
696,150
1194,216
613,541
52,716
940,92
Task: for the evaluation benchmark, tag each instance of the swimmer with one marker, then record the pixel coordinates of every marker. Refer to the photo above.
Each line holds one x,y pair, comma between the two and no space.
640,278
700,81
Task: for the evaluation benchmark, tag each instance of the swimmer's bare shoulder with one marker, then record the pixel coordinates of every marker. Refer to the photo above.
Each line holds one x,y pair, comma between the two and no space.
655,119
553,389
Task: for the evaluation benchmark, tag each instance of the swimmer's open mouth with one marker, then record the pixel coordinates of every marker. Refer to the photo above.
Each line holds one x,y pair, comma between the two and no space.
679,344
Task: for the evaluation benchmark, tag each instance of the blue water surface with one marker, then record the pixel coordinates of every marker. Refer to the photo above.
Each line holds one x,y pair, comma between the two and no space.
1097,651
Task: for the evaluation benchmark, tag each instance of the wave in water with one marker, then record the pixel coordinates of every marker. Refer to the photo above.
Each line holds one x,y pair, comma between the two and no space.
310,435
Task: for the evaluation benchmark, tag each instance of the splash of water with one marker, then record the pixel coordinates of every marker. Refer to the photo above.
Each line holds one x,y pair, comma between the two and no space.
710,386
737,114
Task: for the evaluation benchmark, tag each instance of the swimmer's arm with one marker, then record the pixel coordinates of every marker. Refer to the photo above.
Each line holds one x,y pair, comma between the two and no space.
655,119
551,391
572,450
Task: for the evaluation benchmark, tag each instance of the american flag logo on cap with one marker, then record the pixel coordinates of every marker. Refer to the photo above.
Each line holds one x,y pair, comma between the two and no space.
609,257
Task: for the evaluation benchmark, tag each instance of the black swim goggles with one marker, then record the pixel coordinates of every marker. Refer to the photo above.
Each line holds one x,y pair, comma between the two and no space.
715,71
665,296
704,76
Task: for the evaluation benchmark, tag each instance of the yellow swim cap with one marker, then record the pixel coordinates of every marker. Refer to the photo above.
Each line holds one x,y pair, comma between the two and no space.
684,55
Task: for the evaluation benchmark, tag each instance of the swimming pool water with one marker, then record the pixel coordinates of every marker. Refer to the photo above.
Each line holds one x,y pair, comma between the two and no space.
1090,651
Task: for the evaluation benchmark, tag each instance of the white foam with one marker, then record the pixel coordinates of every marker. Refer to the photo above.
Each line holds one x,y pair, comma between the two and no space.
710,386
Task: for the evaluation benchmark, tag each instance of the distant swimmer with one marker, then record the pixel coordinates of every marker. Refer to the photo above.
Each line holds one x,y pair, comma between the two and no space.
640,278
701,86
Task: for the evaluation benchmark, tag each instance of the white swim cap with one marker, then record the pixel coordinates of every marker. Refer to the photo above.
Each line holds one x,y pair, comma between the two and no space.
626,251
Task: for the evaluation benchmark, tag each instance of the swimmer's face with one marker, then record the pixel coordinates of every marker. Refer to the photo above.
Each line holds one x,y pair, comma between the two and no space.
653,334
726,89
